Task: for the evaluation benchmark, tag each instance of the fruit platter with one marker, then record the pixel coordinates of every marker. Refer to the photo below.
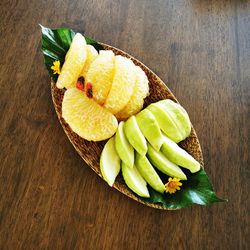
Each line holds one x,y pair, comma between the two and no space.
125,123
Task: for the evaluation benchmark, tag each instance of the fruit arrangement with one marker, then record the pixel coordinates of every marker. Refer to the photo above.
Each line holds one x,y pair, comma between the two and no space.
100,87
99,93
139,147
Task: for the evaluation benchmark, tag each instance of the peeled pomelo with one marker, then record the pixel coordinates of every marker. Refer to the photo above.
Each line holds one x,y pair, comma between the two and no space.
91,56
74,63
140,91
87,118
100,74
122,85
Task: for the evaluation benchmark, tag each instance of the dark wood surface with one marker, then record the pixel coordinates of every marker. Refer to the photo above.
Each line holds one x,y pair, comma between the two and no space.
49,199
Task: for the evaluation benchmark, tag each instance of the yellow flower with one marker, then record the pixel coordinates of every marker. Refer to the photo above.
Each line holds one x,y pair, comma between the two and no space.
173,185
56,67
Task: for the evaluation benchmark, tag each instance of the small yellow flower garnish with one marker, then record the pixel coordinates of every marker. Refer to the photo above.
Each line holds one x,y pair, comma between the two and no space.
173,185
56,67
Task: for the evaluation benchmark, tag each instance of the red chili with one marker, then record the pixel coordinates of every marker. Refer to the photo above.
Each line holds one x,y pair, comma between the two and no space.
79,86
89,89
80,83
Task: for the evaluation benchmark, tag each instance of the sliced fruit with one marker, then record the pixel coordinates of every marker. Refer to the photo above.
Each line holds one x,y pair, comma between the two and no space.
178,155
134,180
165,122
163,164
140,91
148,173
179,115
122,85
100,74
91,56
123,147
150,128
135,136
86,118
110,163
75,60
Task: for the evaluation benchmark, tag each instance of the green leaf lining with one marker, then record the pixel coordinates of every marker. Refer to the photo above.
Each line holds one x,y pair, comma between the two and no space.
56,43
196,190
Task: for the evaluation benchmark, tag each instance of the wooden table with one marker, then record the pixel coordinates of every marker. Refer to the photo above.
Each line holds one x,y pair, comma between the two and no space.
49,198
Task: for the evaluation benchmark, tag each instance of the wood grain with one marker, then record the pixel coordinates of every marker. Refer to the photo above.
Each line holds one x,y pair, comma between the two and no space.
49,199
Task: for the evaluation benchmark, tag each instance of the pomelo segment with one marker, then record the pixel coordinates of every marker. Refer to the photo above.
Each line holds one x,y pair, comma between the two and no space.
74,63
100,74
87,118
140,92
122,85
91,56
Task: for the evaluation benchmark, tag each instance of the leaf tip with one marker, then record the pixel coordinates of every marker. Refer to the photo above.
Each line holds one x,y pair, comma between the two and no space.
41,26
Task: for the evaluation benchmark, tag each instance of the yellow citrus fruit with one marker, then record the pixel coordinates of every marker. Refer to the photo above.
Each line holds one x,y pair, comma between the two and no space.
122,85
100,74
140,91
87,118
74,63
91,56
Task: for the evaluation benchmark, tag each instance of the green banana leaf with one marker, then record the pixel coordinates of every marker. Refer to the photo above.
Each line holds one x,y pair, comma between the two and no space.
196,190
55,44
